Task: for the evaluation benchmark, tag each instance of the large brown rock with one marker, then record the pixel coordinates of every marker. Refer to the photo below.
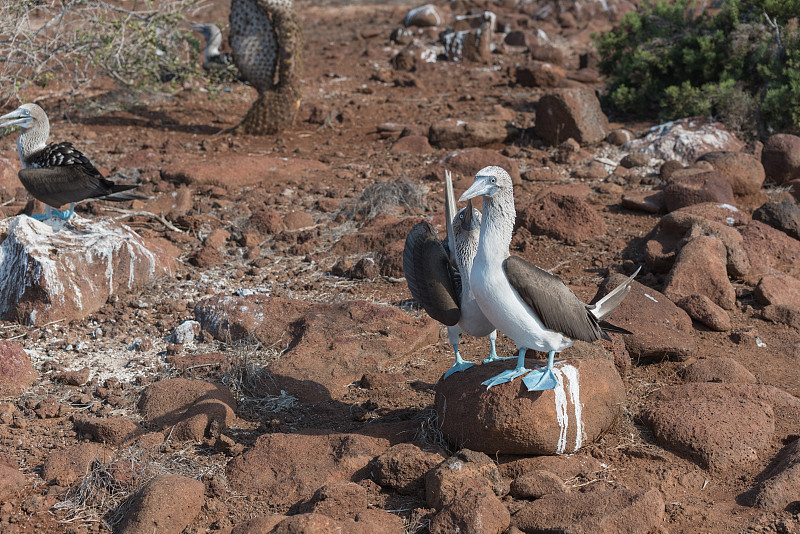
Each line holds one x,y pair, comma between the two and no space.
12,481
283,469
110,430
660,328
327,346
770,250
721,426
190,408
571,113
781,158
464,470
676,229
167,503
55,269
466,163
475,510
783,214
778,289
780,484
240,170
685,190
457,133
563,217
16,369
509,419
68,465
700,269
744,172
602,512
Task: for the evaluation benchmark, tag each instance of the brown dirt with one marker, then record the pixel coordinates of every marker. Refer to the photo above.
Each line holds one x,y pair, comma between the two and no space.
351,85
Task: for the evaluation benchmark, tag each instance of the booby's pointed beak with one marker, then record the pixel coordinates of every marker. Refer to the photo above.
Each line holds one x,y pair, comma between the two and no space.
470,223
18,117
483,185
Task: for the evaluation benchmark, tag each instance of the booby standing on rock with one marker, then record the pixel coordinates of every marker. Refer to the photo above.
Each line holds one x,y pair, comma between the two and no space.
531,306
437,273
57,174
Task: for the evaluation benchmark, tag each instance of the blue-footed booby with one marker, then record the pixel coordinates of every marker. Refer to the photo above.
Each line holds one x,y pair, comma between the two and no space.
213,59
437,273
531,306
58,173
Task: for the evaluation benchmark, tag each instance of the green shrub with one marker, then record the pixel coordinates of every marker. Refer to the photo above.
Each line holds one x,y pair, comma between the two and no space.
741,65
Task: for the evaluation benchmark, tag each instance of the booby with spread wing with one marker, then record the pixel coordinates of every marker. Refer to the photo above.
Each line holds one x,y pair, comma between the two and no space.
58,173
437,273
531,306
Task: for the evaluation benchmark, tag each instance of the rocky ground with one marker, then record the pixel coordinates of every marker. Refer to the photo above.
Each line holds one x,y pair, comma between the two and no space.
247,349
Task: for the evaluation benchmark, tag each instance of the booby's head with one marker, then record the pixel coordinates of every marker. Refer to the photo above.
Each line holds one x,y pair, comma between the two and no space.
488,182
26,116
469,218
211,32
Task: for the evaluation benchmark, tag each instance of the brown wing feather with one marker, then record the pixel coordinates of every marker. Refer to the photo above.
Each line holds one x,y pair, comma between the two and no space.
551,300
427,272
62,185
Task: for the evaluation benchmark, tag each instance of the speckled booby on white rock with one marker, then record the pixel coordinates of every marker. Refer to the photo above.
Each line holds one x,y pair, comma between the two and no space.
531,306
58,173
437,273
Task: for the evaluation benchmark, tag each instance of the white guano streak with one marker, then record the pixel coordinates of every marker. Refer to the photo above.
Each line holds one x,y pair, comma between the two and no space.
561,411
560,393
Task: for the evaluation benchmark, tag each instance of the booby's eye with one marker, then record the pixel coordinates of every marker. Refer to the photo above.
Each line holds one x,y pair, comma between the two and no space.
460,215
494,180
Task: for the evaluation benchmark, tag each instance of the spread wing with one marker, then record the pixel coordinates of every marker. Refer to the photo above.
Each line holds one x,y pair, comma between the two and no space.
63,185
429,276
551,300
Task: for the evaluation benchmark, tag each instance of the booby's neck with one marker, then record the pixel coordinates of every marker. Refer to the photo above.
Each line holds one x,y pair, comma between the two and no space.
497,227
32,140
212,44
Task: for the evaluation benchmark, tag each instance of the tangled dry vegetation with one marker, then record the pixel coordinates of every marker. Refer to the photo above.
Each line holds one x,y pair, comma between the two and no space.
69,44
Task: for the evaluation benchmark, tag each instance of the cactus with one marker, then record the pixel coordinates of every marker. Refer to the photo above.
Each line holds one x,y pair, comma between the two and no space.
266,37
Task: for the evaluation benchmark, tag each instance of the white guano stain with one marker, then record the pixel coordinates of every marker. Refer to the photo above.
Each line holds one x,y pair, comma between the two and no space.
561,411
571,373
650,297
562,392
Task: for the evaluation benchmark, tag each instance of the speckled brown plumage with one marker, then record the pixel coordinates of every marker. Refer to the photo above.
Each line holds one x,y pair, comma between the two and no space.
266,36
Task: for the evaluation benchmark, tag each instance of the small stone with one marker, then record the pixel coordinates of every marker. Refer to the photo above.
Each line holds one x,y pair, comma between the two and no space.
16,370
783,215
364,269
74,378
718,370
537,484
702,309
403,468
697,188
635,159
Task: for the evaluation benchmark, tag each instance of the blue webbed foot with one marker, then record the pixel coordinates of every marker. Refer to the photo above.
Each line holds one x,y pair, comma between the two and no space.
541,380
505,376
458,367
39,216
66,214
